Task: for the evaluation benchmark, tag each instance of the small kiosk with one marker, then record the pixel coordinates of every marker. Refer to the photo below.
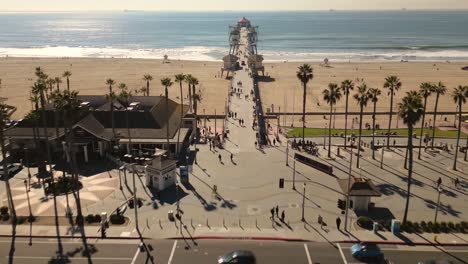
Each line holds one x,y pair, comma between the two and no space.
360,192
160,171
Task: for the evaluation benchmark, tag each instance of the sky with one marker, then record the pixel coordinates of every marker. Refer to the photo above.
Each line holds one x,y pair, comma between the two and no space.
221,5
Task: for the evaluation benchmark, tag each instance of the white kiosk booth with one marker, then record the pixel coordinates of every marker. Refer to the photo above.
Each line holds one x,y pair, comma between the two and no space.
160,172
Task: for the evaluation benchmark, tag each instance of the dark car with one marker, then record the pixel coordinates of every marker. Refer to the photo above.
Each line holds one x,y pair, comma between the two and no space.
238,257
12,170
365,250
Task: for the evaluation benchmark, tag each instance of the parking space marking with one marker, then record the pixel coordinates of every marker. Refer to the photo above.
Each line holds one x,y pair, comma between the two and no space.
136,255
172,252
308,254
342,254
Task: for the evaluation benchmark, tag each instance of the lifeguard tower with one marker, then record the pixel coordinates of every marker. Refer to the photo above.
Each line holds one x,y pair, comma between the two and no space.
230,64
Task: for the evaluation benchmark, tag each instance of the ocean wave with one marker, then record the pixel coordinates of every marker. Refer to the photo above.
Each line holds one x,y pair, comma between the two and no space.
201,53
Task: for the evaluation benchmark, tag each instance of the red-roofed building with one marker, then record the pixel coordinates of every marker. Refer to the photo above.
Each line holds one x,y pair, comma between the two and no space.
243,22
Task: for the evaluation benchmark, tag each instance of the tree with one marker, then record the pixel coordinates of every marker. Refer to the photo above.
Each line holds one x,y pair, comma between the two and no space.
346,86
180,78
374,94
67,74
438,89
362,97
58,81
189,80
410,109
167,82
111,97
147,78
331,96
110,82
6,172
392,84
425,90
459,96
305,75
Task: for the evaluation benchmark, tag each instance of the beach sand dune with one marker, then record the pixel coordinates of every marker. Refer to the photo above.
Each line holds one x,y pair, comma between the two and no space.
89,76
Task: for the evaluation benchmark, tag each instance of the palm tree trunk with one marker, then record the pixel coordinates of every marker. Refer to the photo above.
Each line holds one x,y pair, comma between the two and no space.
422,127
147,88
359,141
304,94
410,171
458,136
433,122
181,117
167,118
68,84
373,130
346,120
329,131
390,119
190,97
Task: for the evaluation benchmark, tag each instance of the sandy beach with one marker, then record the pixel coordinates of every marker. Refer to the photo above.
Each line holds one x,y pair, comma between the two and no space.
89,76
284,91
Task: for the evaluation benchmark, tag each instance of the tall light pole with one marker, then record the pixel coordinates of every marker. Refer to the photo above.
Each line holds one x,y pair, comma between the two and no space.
439,190
287,152
349,182
27,166
294,175
30,218
324,135
303,202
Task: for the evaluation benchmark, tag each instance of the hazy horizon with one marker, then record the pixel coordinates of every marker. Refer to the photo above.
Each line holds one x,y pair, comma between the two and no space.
224,5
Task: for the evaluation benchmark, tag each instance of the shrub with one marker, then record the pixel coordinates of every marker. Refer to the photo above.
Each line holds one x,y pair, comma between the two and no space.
444,227
365,222
417,228
89,218
3,210
97,218
464,224
430,227
21,219
451,226
117,219
436,228
79,219
458,227
5,217
408,227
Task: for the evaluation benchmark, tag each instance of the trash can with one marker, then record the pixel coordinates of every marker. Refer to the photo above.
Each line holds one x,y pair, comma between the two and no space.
375,227
170,215
395,228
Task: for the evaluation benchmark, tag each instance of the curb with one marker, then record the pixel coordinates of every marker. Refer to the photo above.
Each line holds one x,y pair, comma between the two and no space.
404,243
70,237
245,238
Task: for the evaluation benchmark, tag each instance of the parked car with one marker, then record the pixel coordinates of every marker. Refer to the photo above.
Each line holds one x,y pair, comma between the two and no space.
365,250
238,257
12,170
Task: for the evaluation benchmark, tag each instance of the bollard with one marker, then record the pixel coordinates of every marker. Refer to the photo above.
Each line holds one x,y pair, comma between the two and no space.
240,223
160,223
207,225
256,223
435,238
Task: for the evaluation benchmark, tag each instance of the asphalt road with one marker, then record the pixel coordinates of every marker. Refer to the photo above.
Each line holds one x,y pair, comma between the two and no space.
207,251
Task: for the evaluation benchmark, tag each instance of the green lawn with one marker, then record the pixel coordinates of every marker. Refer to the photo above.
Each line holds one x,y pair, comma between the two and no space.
311,132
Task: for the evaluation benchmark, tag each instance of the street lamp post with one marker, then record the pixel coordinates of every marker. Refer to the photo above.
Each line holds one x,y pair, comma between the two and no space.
303,202
120,177
177,197
287,152
439,190
349,183
29,203
27,166
294,175
324,135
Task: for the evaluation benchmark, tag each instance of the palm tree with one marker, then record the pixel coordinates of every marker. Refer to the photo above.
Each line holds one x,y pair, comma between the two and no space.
67,74
167,82
459,97
346,86
125,95
189,80
374,94
392,84
111,97
51,83
180,78
438,89
425,90
362,97
331,96
147,78
6,172
58,81
304,74
410,110
110,82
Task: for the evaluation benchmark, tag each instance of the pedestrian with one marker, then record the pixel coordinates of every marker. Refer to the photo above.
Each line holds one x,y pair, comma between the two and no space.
439,182
277,210
338,222
219,157
272,211
274,142
255,144
235,114
457,181
210,145
282,216
320,221
232,157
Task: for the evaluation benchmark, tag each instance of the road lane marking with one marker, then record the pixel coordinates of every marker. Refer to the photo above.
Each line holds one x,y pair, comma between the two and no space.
172,252
136,254
77,258
342,254
308,254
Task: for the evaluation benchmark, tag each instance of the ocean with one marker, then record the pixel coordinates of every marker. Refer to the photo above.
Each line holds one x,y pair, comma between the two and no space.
283,36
